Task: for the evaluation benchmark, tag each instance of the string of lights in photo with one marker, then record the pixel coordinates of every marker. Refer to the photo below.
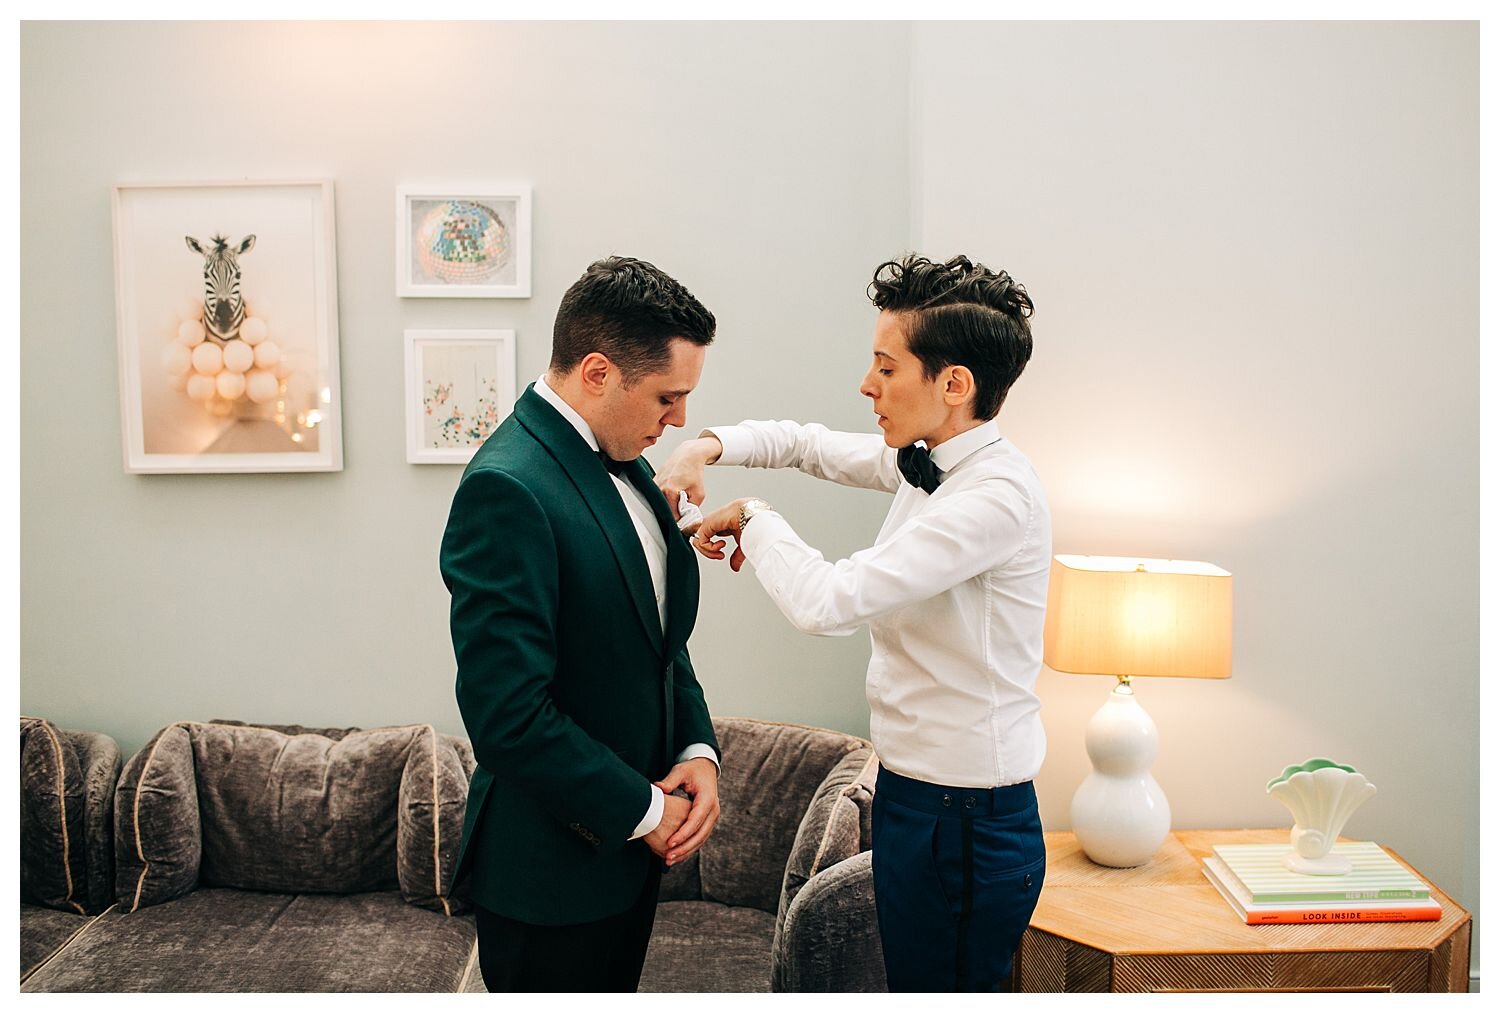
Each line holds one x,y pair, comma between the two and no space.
228,359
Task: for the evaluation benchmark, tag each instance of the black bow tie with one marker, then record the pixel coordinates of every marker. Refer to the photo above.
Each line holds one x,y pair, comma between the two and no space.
615,468
917,468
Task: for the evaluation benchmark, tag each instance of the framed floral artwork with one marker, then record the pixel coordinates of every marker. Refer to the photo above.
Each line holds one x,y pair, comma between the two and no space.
460,385
464,242
227,326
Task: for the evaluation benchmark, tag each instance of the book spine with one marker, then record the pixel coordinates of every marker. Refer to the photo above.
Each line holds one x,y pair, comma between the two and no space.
1374,914
1338,896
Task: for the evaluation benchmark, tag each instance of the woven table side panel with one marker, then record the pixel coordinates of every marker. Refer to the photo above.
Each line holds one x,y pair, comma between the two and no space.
1396,971
1194,971
1448,970
1048,963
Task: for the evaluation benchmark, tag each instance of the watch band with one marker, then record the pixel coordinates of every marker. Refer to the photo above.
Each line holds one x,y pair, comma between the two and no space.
749,509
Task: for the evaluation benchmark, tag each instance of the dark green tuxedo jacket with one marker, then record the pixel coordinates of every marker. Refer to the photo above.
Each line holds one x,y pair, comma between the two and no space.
571,694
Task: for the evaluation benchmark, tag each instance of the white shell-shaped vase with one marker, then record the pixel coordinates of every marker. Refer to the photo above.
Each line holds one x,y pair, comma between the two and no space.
1322,795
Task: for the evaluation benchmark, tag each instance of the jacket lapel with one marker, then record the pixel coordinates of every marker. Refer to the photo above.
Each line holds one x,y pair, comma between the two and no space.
682,564
601,495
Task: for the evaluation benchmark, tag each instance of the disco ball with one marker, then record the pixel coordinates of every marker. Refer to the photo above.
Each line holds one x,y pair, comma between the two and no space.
462,242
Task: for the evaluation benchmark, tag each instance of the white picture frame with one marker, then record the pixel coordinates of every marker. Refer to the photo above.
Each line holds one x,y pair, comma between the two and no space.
463,242
447,423
284,229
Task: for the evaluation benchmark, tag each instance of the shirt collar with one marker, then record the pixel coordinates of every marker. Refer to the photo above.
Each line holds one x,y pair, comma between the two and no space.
553,398
951,453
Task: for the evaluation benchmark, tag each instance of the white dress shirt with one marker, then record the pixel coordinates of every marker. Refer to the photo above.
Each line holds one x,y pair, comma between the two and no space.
655,545
954,591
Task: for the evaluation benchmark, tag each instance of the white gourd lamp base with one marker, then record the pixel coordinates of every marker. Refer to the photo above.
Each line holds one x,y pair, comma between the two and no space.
1120,814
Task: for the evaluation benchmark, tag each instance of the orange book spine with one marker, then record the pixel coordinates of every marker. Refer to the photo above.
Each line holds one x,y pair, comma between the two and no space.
1332,917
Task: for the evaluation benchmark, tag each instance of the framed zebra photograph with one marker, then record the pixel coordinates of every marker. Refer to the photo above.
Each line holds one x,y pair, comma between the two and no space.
464,242
227,327
460,385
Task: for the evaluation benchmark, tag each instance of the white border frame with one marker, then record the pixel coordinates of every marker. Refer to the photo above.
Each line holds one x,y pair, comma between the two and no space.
504,343
518,192
330,453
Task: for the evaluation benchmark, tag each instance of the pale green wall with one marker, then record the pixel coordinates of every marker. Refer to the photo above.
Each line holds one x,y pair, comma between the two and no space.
763,165
1253,248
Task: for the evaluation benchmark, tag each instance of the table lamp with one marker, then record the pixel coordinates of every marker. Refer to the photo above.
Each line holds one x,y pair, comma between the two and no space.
1127,617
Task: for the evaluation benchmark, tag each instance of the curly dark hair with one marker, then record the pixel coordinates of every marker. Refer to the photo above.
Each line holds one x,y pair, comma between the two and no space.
962,314
629,311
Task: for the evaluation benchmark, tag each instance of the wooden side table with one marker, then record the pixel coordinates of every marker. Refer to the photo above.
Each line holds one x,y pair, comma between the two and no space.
1163,927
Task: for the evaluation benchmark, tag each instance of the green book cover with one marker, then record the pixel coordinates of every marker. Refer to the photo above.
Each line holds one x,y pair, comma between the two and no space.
1376,875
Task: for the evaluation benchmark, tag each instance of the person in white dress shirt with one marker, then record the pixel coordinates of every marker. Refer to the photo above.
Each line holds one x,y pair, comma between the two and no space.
953,591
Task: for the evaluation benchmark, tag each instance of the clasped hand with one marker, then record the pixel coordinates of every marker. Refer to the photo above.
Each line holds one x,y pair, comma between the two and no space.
685,825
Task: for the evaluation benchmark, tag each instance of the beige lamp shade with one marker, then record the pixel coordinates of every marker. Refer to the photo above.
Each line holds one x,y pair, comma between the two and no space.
1115,615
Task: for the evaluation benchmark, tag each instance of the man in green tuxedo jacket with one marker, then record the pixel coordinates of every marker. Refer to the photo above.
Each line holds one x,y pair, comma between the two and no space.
573,594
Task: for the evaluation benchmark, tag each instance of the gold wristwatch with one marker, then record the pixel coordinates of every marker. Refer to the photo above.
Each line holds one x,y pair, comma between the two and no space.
749,509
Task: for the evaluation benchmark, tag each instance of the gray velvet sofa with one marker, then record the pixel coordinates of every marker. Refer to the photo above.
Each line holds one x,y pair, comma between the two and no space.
281,859
67,805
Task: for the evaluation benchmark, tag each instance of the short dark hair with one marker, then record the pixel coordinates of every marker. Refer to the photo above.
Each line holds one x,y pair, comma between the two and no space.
629,311
963,314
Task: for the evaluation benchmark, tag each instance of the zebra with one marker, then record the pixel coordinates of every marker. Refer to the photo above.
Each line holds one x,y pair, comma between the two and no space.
223,306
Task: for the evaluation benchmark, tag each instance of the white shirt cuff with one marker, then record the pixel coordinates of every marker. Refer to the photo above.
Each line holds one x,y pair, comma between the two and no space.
658,805
696,750
737,442
653,814
765,528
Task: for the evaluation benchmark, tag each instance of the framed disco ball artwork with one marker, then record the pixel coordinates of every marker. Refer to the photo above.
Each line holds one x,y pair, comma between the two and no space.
468,243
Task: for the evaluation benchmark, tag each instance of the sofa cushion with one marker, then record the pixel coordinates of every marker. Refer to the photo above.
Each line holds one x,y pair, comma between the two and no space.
831,831
430,822
53,837
701,946
217,940
158,838
44,931
434,789
299,813
770,773
99,762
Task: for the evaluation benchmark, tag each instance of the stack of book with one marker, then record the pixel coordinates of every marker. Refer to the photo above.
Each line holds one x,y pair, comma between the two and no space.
1263,891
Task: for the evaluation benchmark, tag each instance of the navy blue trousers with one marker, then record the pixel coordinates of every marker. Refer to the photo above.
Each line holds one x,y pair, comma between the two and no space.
957,874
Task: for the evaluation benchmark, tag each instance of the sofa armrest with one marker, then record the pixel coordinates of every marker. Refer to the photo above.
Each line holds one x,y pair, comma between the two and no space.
830,941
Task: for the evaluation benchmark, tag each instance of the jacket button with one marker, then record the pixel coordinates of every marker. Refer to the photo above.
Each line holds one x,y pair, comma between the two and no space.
1028,880
947,800
969,802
